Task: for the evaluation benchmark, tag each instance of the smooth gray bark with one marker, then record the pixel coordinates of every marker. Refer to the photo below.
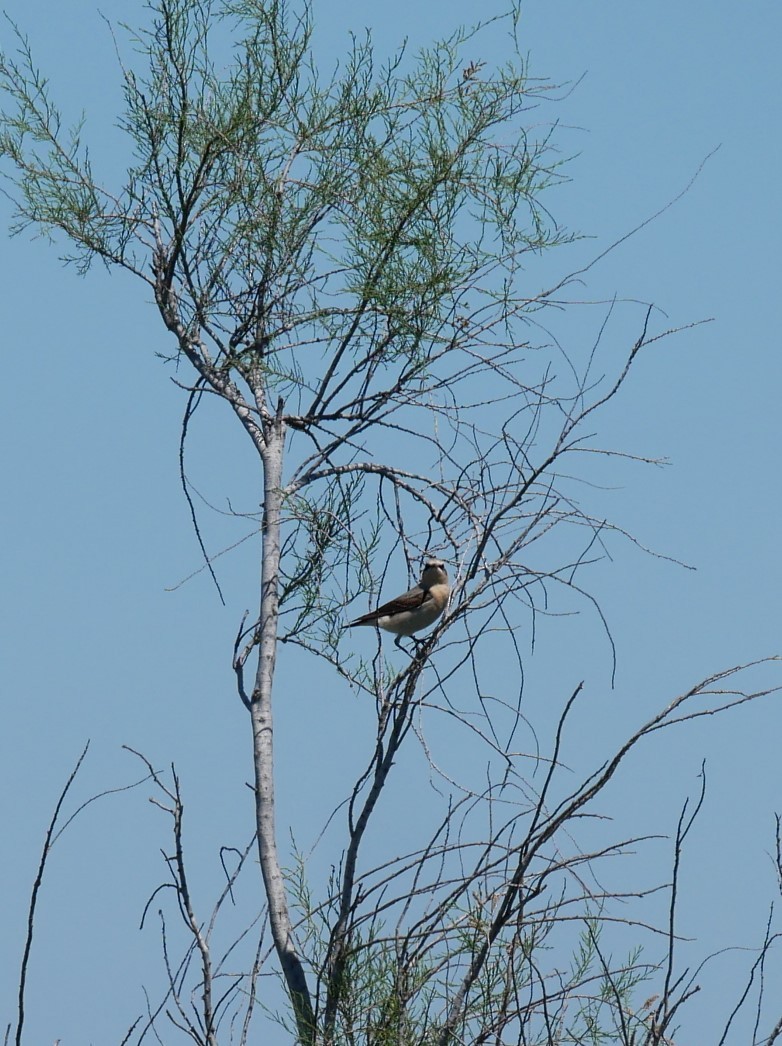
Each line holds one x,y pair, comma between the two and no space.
263,732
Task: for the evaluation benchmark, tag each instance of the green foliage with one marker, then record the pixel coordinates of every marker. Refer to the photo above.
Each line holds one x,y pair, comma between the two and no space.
294,212
391,994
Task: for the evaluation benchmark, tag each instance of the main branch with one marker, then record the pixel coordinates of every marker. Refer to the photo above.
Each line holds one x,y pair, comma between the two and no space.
263,733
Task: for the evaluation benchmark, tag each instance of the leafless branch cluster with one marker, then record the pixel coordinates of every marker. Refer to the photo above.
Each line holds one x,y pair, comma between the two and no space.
466,921
204,1002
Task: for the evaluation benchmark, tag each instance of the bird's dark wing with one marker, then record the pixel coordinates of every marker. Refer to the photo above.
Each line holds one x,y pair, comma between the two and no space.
409,601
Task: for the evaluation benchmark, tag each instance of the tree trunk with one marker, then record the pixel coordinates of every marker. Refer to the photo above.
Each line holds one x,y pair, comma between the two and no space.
263,735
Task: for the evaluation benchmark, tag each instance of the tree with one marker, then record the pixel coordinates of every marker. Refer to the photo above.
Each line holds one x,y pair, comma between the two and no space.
343,262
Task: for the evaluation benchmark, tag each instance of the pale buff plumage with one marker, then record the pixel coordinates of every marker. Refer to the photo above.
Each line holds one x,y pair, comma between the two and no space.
416,609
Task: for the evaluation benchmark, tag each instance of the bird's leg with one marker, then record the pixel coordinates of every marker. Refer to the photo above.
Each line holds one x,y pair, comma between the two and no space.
417,643
398,643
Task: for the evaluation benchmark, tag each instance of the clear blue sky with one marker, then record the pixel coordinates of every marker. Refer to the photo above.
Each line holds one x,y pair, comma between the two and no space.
95,530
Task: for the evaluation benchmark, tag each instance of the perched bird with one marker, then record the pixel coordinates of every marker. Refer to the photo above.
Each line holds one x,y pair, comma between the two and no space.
416,609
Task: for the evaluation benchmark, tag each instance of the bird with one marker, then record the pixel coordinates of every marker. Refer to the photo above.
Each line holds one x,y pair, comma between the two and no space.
414,610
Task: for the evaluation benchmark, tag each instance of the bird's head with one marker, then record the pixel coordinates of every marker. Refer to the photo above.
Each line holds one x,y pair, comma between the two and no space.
434,572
